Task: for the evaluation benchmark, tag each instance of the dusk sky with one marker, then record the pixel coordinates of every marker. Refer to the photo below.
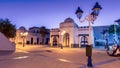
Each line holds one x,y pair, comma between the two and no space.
50,13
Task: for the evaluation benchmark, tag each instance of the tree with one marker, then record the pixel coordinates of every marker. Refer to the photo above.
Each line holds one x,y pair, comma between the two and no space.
43,32
8,29
112,29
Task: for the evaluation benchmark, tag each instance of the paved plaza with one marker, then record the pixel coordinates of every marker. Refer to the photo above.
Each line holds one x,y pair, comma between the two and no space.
40,56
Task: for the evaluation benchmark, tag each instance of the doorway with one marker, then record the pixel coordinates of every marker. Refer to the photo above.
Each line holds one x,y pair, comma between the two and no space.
54,41
31,40
84,41
66,40
37,40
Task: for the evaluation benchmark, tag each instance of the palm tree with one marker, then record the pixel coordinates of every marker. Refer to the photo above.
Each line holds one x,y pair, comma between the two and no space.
8,29
43,32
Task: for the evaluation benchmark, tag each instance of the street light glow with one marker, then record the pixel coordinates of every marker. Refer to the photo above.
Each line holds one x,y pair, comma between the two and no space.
24,35
63,32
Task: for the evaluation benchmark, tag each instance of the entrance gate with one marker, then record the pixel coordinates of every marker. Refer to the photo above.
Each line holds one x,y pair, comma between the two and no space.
84,40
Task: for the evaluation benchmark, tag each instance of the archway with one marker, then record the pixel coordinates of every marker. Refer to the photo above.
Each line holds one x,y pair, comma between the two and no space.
66,40
37,40
54,41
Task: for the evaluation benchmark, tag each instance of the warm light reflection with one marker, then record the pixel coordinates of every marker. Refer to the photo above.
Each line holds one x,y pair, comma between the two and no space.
22,51
21,57
64,60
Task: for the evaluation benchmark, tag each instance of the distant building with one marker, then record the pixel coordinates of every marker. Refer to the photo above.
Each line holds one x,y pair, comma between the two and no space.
69,34
33,37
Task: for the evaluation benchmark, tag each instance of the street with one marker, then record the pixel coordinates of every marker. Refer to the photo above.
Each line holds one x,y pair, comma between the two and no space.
39,56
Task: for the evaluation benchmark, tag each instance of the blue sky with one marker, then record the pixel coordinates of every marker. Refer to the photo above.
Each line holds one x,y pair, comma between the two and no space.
50,13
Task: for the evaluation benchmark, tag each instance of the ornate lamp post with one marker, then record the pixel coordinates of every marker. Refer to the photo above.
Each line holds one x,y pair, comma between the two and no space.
23,35
91,17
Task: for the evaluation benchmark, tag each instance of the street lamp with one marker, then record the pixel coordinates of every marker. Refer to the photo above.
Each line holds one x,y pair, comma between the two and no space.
23,35
91,17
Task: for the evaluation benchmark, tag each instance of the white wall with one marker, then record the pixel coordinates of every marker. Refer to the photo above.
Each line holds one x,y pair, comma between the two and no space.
5,44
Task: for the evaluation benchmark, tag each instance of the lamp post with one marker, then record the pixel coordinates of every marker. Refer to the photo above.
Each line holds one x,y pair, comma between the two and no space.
91,17
23,35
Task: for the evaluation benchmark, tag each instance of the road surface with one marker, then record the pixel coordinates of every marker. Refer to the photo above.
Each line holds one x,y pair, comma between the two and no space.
40,56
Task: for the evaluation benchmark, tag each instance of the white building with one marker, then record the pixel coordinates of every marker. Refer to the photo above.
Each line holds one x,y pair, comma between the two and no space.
70,35
33,36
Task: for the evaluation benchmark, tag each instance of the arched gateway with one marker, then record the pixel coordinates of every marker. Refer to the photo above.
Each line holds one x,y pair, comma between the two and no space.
66,40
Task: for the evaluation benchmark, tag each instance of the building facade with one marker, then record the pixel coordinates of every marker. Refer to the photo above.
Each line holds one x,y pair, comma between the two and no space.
69,34
33,36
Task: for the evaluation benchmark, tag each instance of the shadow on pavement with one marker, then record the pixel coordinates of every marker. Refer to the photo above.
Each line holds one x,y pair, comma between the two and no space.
107,61
38,51
4,53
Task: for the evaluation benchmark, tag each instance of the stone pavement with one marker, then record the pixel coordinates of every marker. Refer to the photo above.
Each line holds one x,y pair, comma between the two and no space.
51,57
